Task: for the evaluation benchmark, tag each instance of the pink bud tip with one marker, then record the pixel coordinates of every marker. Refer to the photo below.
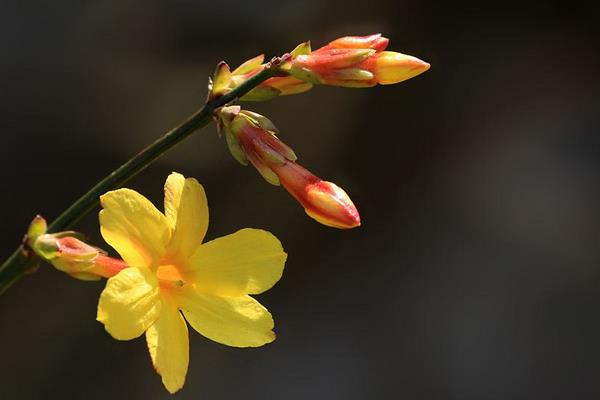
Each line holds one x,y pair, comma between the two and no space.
330,205
323,201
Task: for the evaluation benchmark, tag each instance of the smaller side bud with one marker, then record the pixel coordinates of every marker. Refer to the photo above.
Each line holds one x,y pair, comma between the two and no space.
37,227
222,80
75,257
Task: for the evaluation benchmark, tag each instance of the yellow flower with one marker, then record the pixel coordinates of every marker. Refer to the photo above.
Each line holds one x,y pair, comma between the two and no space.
172,273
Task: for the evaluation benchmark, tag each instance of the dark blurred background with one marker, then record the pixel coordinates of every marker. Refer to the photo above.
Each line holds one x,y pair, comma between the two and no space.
476,273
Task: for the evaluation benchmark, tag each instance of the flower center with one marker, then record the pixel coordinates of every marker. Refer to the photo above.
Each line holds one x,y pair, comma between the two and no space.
169,277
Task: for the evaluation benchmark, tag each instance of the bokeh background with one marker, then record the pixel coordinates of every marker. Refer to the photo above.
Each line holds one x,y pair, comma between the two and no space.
476,273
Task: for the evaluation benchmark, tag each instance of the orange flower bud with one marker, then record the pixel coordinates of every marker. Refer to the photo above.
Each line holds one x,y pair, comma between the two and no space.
252,138
356,61
76,258
323,201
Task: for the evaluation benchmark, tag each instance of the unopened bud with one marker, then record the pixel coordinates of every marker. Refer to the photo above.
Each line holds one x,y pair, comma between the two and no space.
355,61
75,257
37,227
323,201
252,138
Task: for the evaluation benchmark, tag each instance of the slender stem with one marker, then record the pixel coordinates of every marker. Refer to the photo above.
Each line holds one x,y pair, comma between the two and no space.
23,259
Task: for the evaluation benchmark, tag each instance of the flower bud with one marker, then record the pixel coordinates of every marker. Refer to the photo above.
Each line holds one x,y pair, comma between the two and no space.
37,227
355,61
323,201
252,138
76,258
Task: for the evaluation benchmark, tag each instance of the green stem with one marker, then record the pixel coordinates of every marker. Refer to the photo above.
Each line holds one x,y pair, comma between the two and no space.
22,260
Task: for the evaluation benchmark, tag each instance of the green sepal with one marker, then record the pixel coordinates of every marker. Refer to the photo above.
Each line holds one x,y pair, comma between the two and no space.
359,55
221,79
268,174
249,65
260,121
37,227
45,246
283,149
305,74
235,149
261,93
301,49
269,155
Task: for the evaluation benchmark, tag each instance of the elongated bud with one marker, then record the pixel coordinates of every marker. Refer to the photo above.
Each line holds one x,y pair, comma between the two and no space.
323,201
71,255
356,61
76,258
252,138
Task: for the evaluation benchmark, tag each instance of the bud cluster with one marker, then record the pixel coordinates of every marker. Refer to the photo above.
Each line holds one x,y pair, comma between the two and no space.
350,61
355,61
252,138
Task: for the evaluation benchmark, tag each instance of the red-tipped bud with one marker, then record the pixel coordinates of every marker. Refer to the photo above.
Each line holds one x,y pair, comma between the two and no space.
356,61
76,258
252,138
323,201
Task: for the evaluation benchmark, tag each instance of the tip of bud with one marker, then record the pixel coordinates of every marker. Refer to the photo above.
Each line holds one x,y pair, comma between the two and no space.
395,67
331,206
221,80
323,201
37,227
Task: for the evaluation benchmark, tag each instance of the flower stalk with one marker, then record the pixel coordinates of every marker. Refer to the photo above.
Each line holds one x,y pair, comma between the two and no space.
23,259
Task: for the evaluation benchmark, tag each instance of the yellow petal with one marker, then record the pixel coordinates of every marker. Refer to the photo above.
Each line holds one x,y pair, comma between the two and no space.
187,211
132,225
130,303
169,349
173,189
234,321
249,261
